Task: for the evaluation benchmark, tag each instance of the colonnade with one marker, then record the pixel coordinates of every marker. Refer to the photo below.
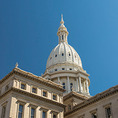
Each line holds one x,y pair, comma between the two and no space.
26,112
80,85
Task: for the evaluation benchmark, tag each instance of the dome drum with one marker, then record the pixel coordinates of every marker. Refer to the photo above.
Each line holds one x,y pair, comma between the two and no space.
63,67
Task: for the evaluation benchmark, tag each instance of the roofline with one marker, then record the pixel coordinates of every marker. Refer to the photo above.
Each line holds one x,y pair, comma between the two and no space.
94,99
29,75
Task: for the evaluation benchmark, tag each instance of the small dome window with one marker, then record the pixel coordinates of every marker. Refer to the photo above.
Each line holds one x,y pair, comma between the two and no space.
62,54
56,55
69,54
50,58
55,69
70,69
63,68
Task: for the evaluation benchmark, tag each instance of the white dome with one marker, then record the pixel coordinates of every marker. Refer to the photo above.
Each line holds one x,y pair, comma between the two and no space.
63,53
63,56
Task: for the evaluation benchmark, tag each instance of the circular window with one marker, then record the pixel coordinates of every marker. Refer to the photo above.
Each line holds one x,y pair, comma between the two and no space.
62,54
55,69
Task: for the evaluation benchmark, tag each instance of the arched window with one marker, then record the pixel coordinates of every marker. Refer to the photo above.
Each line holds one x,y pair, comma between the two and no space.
56,55
63,85
71,86
62,37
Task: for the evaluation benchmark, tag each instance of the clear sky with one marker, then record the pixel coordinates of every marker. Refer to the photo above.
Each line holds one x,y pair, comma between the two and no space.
28,33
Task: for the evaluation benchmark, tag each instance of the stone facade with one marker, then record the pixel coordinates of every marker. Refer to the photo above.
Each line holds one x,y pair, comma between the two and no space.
30,91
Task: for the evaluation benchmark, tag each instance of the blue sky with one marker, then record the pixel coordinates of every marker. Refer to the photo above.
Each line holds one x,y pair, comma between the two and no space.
28,33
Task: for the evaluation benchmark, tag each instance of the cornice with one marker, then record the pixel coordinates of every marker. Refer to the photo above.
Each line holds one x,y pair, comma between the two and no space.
33,77
32,95
65,71
94,99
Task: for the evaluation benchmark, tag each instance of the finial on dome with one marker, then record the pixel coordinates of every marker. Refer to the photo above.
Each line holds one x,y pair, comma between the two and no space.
16,66
62,22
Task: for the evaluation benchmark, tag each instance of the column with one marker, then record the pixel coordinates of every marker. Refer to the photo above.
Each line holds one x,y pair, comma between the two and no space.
8,105
68,85
26,110
77,84
80,85
38,112
84,88
13,108
59,82
87,86
48,114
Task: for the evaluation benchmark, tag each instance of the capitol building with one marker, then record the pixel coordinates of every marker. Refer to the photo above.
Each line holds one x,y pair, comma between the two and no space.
61,92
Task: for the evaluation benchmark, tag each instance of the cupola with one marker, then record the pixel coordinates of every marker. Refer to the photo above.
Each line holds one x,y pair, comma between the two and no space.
62,31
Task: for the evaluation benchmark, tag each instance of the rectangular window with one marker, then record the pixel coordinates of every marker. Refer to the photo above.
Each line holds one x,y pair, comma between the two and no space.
34,90
3,111
20,111
44,114
54,116
69,107
7,87
94,115
32,113
54,97
45,93
23,86
108,112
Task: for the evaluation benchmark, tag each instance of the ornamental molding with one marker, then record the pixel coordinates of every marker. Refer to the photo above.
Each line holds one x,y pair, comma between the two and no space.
65,71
